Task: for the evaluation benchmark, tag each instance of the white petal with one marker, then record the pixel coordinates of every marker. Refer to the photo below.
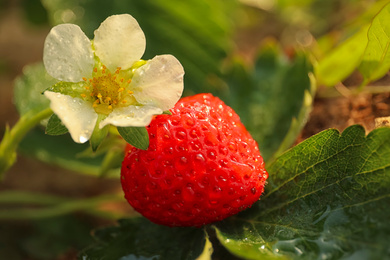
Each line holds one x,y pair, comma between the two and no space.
67,53
76,114
159,82
131,116
119,41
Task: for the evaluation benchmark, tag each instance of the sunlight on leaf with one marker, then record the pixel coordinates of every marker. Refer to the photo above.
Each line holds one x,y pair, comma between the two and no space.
327,198
341,61
376,58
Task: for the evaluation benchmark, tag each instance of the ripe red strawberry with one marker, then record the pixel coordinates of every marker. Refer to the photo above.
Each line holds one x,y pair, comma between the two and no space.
201,166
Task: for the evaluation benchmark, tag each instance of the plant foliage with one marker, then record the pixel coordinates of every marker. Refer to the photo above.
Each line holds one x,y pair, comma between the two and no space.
326,199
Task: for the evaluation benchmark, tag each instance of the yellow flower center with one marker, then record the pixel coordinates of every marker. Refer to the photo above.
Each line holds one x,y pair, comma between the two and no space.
108,90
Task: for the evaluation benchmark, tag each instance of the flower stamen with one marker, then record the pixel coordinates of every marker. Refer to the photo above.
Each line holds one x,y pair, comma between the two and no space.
108,90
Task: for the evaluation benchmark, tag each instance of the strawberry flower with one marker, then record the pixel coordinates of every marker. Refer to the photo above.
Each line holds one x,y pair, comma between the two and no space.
103,81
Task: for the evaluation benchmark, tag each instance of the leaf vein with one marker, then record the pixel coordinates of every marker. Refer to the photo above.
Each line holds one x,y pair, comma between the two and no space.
310,167
317,190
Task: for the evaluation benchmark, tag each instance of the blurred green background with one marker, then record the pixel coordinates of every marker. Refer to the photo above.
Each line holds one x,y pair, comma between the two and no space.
238,50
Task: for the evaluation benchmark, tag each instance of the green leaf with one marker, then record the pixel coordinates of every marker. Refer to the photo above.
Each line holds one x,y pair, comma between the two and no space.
376,58
327,198
138,238
28,89
273,99
55,126
136,136
297,123
341,61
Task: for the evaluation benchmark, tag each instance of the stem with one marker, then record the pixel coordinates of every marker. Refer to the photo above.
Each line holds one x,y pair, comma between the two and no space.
13,137
25,197
55,206
362,85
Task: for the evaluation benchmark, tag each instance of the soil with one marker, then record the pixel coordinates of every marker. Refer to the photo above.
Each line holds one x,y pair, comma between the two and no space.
340,112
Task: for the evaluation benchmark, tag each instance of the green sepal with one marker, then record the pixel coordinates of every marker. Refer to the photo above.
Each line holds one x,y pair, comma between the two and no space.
138,64
68,88
55,126
98,133
136,136
167,112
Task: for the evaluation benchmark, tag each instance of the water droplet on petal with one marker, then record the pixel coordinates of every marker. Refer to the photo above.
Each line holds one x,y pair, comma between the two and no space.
83,139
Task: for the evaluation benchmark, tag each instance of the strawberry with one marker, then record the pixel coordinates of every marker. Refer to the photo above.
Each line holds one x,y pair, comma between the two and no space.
201,166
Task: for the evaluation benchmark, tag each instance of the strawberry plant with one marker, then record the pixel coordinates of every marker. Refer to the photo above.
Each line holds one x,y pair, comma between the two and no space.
203,136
